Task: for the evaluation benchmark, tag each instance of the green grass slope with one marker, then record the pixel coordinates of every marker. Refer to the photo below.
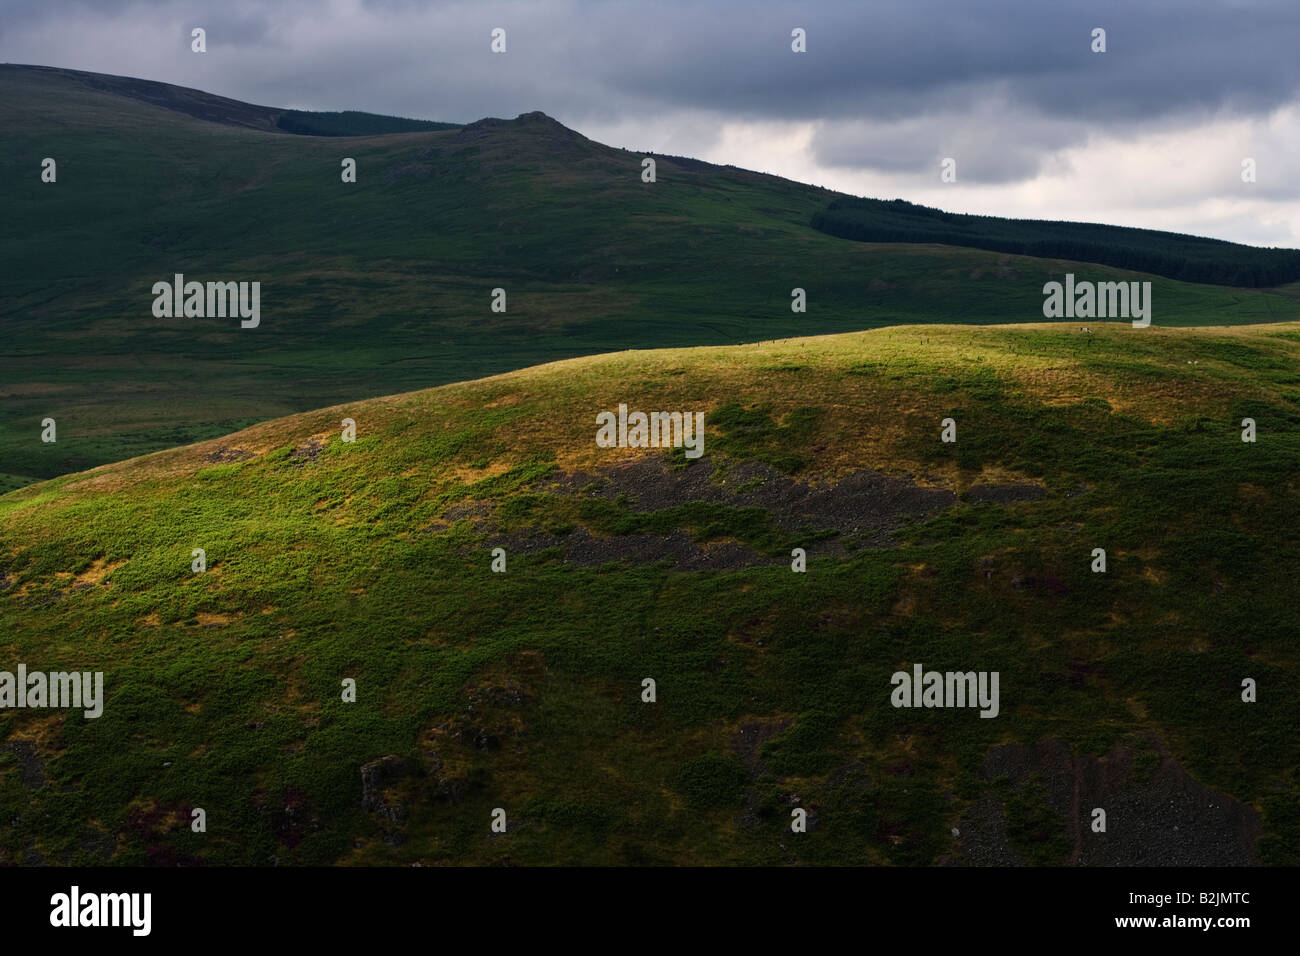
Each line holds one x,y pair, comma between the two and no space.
522,690
385,285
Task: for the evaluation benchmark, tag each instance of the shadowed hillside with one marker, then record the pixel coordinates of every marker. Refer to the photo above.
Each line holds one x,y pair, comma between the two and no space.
103,90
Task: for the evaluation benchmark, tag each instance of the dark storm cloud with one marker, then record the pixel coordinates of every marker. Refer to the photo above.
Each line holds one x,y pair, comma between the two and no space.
884,61
894,86
1165,56
233,26
13,12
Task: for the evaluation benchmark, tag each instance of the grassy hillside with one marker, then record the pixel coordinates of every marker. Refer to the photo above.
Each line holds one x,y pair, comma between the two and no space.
76,90
385,285
522,690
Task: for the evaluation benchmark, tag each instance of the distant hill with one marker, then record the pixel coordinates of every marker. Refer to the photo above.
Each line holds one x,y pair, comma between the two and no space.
1189,258
386,284
219,109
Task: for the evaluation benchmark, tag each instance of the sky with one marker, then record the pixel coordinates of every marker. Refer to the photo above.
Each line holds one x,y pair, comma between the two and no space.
1152,132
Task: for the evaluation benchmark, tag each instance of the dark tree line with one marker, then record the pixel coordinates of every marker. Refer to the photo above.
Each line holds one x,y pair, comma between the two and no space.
1170,254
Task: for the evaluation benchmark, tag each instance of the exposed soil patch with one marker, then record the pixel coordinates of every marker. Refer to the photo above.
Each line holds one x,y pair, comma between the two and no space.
383,795
864,502
227,455
864,509
308,451
750,737
1160,818
471,510
31,769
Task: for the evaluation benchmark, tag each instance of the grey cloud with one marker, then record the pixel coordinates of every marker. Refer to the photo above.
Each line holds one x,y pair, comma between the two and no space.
887,62
994,144
883,61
